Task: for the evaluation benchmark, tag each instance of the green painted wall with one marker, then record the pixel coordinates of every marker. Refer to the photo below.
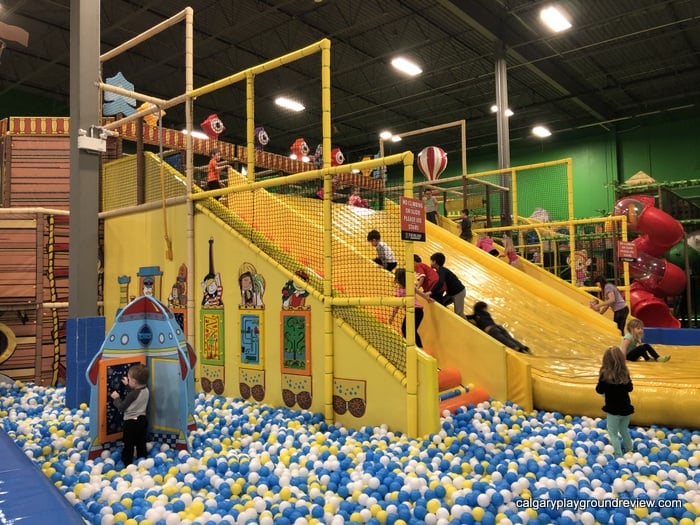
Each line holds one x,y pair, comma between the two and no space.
667,147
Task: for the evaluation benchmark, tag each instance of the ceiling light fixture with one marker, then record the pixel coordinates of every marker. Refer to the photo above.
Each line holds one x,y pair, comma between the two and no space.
385,135
541,131
554,19
196,134
509,112
406,66
289,104
396,138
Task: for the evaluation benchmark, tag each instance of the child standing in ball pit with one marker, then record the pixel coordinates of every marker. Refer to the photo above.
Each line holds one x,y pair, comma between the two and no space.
615,384
134,406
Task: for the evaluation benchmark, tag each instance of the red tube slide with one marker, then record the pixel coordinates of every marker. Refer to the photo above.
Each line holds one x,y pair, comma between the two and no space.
655,278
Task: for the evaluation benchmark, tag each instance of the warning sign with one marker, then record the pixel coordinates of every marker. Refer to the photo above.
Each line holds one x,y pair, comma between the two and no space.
412,219
626,251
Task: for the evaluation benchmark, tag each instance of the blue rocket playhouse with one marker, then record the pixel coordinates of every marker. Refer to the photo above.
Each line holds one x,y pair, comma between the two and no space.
146,332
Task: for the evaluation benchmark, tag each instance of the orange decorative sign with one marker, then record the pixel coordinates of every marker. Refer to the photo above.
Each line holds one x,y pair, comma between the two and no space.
412,219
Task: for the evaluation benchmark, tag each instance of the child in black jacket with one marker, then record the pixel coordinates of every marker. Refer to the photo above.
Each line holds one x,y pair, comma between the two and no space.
615,384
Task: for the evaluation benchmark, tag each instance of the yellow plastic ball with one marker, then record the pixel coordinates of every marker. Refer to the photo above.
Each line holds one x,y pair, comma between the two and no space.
127,502
433,505
285,493
197,507
478,514
120,516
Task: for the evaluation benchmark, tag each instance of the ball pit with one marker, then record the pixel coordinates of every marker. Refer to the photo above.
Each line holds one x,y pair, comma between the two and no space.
249,463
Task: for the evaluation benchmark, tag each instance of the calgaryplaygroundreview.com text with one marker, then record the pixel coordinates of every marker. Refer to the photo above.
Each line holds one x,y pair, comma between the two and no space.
608,503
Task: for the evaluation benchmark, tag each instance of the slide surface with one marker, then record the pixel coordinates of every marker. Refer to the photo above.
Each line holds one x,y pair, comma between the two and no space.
565,336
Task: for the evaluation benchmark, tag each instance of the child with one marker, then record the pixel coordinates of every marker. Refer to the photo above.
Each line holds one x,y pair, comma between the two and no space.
356,200
482,318
615,384
509,251
465,225
485,242
426,276
633,348
213,171
448,288
385,256
431,204
134,406
400,280
612,298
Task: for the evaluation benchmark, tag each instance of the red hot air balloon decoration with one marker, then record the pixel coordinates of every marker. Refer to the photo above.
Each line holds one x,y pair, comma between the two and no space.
432,161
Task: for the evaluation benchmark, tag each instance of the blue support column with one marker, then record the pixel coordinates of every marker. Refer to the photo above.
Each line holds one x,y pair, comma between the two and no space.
84,338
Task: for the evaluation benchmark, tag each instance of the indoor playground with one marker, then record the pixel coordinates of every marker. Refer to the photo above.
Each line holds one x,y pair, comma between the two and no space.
282,390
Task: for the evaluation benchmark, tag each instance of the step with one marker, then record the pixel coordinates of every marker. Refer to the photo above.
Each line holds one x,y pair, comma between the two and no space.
448,378
472,397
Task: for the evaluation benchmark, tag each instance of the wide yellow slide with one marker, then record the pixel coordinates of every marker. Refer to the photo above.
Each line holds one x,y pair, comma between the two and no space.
566,337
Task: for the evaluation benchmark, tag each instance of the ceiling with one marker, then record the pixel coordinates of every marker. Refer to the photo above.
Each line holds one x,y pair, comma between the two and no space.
622,59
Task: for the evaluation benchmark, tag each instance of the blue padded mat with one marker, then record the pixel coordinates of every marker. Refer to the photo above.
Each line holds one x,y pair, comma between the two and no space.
26,495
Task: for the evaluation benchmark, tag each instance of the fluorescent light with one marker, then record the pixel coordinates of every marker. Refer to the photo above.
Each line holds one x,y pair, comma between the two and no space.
406,66
395,138
289,104
541,131
385,135
509,112
554,19
196,134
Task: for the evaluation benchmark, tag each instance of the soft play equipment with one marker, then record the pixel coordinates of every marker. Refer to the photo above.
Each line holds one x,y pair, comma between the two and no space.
27,496
655,277
145,332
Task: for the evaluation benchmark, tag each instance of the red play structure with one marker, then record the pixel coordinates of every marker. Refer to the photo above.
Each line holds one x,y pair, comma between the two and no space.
655,278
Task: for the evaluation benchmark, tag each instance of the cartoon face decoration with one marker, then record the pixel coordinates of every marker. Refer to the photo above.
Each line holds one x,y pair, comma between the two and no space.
151,118
252,286
300,148
580,265
337,157
211,286
261,138
212,126
293,295
148,284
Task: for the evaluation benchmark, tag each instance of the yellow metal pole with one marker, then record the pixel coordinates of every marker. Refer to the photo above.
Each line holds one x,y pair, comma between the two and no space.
572,228
189,170
411,353
250,124
261,68
329,349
